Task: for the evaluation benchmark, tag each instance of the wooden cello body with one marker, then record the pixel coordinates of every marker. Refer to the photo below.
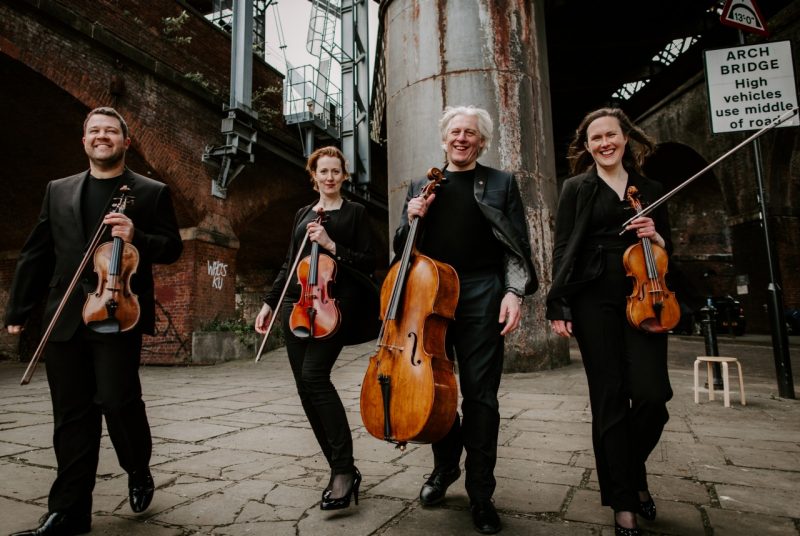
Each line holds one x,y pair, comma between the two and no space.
409,392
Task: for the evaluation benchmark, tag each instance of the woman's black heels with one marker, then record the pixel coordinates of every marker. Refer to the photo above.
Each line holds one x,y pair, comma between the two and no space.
619,530
330,503
647,509
622,531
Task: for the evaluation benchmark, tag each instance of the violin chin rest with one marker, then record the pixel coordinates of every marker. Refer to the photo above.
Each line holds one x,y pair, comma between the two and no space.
109,325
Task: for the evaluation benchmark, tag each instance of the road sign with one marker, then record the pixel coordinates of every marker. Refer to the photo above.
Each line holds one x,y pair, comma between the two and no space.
750,86
745,15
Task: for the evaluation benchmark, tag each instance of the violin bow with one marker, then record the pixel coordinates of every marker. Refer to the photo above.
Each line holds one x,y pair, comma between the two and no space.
37,355
286,287
661,200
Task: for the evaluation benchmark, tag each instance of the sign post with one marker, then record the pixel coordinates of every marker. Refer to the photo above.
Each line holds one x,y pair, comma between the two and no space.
750,87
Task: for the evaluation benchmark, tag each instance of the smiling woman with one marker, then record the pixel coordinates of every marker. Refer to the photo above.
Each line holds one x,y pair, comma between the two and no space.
331,228
626,368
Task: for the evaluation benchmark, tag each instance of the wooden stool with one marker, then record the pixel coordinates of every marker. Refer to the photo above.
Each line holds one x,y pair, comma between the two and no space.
709,360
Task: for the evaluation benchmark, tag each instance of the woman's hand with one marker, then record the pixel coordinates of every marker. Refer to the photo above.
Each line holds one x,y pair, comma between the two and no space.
263,318
562,328
646,228
318,234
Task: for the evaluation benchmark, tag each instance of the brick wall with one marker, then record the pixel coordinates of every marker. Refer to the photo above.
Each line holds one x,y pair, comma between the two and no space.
76,55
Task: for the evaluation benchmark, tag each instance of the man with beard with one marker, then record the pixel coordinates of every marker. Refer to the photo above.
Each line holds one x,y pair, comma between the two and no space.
93,374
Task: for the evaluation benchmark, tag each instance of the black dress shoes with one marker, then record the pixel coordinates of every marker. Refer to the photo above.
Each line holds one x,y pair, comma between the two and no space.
434,488
140,490
59,524
484,517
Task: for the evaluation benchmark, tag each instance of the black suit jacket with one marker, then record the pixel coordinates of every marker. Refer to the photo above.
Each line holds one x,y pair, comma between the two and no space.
572,221
498,199
54,250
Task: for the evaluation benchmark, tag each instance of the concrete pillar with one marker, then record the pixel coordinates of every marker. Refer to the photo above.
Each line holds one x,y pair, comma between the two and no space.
492,54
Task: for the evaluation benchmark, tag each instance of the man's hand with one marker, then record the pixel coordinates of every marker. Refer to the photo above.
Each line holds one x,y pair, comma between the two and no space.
418,207
121,225
510,312
14,330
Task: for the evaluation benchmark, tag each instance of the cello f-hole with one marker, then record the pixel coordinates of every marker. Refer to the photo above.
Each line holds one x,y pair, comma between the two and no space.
414,361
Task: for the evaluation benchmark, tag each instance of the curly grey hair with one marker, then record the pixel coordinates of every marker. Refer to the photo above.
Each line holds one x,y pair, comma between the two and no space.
485,124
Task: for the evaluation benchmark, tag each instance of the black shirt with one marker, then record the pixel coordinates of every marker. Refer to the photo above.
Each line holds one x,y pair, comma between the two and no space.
95,203
455,230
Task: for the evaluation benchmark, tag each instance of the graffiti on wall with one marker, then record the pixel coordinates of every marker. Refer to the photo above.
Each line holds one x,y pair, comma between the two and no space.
217,270
166,343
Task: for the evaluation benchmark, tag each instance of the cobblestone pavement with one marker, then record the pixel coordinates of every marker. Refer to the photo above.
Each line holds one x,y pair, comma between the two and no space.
233,455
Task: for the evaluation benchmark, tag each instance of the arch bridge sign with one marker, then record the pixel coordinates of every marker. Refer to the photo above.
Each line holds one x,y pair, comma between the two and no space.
750,86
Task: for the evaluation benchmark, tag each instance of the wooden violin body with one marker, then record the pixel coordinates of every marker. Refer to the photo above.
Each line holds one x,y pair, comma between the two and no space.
113,307
316,314
651,306
409,392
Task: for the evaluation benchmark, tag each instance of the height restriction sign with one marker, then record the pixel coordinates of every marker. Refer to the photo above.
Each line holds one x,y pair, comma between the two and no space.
750,86
745,15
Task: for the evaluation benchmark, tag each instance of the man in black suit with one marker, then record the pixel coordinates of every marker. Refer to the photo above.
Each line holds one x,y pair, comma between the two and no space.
93,374
476,223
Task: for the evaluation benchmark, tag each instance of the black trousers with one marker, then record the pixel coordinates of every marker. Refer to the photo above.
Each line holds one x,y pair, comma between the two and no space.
628,385
312,361
92,376
478,347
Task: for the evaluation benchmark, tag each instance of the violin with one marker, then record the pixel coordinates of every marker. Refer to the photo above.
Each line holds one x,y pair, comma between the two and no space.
113,307
316,314
409,391
651,306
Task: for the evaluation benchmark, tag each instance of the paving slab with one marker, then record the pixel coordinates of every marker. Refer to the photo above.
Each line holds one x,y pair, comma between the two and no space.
234,455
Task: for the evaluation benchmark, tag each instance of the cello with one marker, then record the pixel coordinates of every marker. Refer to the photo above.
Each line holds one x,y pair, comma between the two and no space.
315,314
409,392
651,306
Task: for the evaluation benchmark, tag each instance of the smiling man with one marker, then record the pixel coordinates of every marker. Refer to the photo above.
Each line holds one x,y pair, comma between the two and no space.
91,373
474,222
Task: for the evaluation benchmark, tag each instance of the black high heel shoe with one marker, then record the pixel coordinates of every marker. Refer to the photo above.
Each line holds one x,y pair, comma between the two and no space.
647,509
619,530
338,503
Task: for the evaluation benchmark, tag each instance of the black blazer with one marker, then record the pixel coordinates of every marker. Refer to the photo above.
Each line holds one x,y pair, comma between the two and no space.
572,219
355,262
54,250
498,199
